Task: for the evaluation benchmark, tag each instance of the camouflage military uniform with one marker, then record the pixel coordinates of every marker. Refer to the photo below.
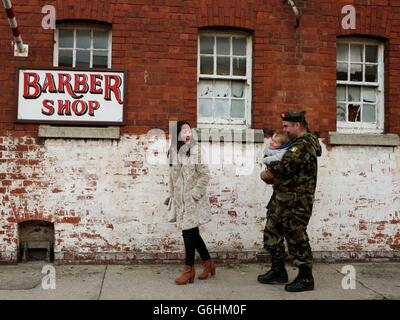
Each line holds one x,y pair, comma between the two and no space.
290,207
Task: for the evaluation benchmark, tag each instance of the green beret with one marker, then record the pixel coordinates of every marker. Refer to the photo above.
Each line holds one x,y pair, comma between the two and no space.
293,116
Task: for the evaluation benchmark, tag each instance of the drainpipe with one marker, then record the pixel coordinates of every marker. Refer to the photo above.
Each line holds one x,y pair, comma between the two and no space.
295,11
20,48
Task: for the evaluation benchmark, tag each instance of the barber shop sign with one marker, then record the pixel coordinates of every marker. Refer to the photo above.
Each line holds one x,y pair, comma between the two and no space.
65,95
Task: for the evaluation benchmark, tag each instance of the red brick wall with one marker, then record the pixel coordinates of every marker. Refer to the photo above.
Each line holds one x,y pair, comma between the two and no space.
292,69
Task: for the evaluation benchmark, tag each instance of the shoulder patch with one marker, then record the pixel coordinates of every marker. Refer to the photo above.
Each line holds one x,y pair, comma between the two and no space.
295,150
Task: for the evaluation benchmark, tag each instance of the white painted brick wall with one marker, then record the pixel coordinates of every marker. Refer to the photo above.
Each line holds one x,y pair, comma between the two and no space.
119,196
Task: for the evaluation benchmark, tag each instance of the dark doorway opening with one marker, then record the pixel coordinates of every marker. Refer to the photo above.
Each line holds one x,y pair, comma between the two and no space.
35,241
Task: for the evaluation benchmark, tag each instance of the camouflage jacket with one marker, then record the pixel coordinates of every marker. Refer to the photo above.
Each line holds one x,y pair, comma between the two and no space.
297,172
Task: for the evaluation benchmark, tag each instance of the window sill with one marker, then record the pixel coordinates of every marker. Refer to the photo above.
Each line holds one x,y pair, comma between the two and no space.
365,139
46,131
230,135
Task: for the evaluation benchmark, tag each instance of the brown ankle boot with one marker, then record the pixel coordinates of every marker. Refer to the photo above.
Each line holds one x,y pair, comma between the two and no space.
187,275
209,268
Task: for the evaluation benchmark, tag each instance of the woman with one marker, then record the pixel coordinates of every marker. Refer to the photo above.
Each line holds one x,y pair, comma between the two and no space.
188,188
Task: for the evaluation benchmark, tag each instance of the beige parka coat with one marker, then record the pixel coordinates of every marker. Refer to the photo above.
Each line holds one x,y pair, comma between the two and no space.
189,177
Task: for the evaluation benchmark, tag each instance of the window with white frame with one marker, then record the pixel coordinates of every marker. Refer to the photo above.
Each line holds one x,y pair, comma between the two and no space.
224,79
82,46
359,85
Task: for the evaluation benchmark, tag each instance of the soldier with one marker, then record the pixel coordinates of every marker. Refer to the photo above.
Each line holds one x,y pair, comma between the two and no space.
290,207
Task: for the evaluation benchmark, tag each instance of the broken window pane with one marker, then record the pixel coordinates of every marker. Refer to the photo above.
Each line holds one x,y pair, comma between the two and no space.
237,89
356,53
207,45
371,73
206,89
341,93
221,89
341,71
223,46
342,52
205,108
239,66
371,53
354,94
354,113
239,46
341,112
223,66
369,95
206,65
356,73
238,109
369,114
221,109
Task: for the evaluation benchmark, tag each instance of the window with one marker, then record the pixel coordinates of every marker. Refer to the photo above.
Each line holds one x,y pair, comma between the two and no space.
359,85
82,47
224,79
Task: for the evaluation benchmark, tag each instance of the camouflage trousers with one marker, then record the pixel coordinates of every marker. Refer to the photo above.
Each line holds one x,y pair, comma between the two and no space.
287,218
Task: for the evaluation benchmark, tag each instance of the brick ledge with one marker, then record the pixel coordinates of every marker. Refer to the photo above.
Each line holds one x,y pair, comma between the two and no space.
384,140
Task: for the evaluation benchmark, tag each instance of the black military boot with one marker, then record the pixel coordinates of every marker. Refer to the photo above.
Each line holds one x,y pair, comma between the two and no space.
277,273
303,282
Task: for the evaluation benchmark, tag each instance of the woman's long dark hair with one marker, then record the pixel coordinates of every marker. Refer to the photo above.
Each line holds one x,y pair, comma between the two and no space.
176,142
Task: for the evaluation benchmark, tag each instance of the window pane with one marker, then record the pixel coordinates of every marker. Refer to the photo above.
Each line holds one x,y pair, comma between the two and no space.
237,110
341,112
341,71
223,45
239,66
223,66
207,45
82,59
342,52
205,108
206,65
239,46
354,113
371,73
206,88
221,89
369,95
371,53
66,38
354,94
356,53
65,58
356,72
369,114
100,59
221,109
100,39
341,93
238,89
83,39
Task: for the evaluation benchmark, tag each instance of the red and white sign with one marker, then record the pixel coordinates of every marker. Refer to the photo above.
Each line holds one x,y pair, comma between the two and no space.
71,96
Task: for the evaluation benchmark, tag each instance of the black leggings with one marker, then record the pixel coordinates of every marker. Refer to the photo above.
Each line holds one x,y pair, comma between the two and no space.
193,242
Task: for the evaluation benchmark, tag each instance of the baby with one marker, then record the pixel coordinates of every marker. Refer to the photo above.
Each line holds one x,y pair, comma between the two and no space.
274,152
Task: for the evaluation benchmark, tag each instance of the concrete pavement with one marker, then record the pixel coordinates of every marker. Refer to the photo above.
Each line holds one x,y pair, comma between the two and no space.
378,280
